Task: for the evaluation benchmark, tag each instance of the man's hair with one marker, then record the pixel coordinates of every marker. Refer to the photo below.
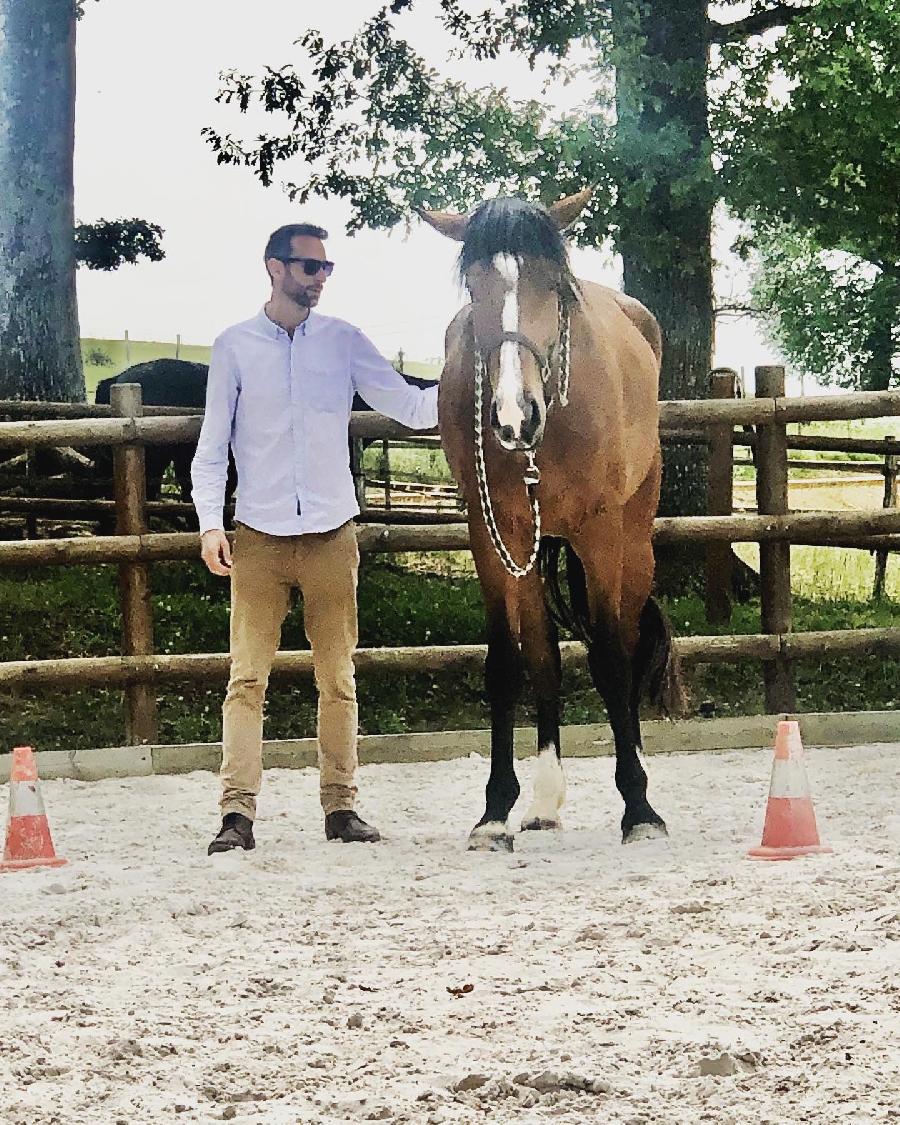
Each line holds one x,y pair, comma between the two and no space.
279,244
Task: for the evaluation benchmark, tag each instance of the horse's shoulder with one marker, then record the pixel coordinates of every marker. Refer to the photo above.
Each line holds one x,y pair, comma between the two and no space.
639,315
456,330
643,319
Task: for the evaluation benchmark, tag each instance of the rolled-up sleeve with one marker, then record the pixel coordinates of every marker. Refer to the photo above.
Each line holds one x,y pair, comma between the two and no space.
209,468
385,390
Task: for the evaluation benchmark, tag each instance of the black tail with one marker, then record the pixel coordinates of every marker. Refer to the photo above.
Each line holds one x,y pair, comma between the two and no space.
656,667
568,608
656,670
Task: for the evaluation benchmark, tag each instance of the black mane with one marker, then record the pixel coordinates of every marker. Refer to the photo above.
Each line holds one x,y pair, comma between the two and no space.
518,227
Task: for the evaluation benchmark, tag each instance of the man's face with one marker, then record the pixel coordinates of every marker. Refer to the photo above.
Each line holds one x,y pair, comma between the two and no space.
292,279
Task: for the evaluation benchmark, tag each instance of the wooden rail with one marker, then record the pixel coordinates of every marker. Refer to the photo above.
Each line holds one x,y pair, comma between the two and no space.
117,671
15,409
675,415
813,528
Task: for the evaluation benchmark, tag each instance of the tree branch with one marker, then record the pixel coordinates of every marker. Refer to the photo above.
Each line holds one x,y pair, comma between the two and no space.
779,15
738,310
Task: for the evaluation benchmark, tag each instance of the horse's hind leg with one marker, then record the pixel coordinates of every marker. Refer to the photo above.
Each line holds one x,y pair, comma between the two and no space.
611,647
540,649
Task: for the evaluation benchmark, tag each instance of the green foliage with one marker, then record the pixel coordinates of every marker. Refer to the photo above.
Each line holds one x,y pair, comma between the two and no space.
825,155
832,315
110,243
811,142
375,125
95,357
369,121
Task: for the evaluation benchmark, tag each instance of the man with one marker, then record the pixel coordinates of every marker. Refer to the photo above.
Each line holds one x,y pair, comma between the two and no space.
279,393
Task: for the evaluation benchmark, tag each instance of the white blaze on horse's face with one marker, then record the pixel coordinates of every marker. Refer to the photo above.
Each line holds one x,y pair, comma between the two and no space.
515,315
509,398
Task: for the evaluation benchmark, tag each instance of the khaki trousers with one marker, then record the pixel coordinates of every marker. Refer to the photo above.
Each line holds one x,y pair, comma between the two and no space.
265,568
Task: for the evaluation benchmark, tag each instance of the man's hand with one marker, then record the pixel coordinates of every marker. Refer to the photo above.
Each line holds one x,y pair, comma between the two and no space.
215,552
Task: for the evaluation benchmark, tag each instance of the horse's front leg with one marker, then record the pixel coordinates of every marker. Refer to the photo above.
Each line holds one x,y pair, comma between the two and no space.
503,683
540,649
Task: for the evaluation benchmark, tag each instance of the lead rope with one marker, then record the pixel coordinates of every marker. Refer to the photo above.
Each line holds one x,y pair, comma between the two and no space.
564,368
532,476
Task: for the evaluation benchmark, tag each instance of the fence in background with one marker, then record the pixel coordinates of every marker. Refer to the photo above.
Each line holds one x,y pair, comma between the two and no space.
128,429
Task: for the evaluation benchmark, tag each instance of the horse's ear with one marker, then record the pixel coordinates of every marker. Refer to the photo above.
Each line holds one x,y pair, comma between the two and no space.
565,211
453,226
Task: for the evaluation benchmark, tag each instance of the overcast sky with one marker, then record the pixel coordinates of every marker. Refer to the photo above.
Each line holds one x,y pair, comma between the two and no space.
147,78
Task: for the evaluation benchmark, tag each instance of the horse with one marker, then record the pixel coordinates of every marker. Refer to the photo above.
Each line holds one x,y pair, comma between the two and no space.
549,419
163,382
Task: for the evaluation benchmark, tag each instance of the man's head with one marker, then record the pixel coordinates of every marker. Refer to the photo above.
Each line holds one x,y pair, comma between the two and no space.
296,263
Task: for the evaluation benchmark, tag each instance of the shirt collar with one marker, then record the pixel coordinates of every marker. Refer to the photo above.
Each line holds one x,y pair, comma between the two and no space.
275,331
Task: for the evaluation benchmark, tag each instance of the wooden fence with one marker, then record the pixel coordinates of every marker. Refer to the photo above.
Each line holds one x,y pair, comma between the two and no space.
720,493
124,427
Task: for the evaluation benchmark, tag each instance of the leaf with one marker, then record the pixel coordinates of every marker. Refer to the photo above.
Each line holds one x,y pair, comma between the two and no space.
462,990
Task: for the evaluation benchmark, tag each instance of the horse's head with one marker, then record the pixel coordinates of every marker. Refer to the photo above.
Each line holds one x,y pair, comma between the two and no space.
514,263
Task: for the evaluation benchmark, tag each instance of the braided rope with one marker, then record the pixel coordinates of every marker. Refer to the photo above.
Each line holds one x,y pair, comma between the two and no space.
564,356
487,508
532,473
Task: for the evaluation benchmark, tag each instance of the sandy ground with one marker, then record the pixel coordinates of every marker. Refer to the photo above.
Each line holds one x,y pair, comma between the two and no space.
573,981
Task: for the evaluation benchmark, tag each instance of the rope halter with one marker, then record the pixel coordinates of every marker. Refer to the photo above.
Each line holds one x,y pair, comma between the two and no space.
532,474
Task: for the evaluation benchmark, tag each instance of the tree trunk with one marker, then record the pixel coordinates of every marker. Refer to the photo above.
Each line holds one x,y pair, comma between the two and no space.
39,339
885,302
666,197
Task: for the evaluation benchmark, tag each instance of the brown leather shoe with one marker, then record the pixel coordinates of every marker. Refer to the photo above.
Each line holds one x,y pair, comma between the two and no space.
345,825
236,832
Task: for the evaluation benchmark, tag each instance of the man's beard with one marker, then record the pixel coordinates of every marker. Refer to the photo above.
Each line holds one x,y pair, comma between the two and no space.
303,297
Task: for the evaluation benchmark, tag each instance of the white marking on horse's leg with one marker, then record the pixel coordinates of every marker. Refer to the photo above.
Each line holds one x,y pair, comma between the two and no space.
646,832
509,397
549,791
494,836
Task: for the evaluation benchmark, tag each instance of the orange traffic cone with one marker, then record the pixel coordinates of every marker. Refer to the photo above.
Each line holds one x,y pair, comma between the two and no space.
28,839
790,829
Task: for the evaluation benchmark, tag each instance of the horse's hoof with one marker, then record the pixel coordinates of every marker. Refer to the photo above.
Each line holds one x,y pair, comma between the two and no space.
654,830
490,838
541,824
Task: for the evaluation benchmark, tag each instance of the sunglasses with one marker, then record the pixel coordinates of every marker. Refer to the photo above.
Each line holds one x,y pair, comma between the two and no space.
311,266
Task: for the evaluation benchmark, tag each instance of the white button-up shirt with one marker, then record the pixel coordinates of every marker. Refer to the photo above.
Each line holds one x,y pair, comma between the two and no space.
283,405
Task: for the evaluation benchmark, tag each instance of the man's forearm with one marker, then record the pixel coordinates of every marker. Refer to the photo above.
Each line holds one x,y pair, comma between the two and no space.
208,494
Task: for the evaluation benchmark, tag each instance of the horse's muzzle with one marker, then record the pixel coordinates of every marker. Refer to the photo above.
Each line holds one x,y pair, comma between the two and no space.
530,432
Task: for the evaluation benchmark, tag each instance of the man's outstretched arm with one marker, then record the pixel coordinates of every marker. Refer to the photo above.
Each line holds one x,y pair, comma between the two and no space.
385,389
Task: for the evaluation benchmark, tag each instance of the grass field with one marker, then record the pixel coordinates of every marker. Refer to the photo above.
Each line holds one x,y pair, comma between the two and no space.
103,358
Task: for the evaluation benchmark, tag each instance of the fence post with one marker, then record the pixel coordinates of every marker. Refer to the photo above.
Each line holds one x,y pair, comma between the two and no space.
357,448
890,501
130,483
720,502
774,557
30,479
386,472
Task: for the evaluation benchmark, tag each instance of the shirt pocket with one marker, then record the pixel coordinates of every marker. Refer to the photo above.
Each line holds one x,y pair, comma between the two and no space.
329,391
